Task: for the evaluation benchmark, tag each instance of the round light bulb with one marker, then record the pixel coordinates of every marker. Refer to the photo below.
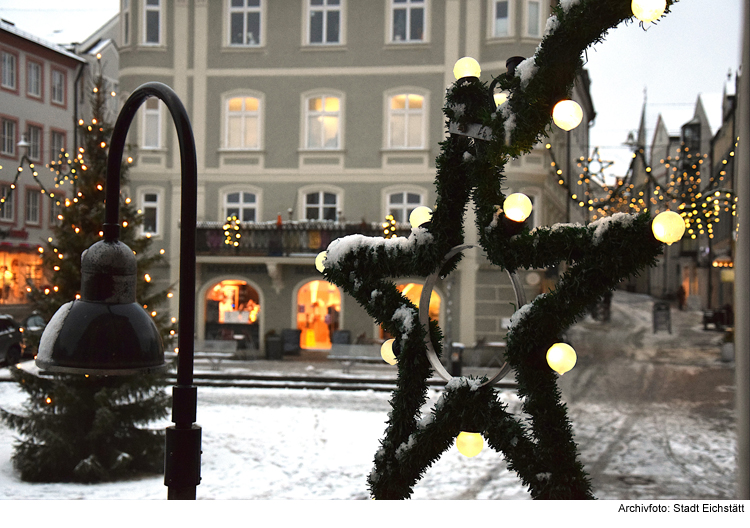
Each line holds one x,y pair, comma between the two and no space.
648,10
517,207
668,227
469,444
500,98
386,352
561,357
567,114
466,67
319,261
420,215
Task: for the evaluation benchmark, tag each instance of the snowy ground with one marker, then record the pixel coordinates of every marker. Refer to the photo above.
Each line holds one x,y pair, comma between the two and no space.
652,415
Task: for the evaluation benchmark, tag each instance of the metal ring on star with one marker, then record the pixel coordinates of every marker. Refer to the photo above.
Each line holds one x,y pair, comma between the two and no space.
424,317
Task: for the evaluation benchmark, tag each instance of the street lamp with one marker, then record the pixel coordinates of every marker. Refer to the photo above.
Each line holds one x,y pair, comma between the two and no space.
106,332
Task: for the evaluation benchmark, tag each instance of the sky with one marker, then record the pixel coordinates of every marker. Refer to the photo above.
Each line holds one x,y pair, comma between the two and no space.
689,52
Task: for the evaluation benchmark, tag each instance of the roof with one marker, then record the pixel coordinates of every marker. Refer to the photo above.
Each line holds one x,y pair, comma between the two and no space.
8,27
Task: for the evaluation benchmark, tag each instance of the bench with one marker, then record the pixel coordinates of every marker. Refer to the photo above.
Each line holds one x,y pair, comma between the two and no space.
215,351
348,355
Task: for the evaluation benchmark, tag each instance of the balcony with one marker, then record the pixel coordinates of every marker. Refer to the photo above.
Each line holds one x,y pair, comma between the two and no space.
288,239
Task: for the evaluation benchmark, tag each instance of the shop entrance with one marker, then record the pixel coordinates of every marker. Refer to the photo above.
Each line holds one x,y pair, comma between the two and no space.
318,310
413,292
232,311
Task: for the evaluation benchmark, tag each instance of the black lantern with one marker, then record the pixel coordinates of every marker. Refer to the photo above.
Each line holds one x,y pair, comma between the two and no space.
106,332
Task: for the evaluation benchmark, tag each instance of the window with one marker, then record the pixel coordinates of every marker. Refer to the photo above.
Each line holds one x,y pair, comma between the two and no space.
406,121
125,22
33,197
152,22
401,204
244,22
151,210
323,120
152,124
321,205
408,20
8,140
243,123
34,79
58,87
501,18
6,204
57,144
9,71
325,22
318,314
241,204
533,18
35,142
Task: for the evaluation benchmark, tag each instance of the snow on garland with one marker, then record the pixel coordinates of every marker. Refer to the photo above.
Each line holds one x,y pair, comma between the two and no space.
341,247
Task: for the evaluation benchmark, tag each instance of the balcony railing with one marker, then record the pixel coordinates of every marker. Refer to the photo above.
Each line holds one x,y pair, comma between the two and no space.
303,238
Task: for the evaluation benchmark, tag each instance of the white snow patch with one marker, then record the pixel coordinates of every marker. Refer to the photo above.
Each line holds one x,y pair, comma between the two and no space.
340,247
458,109
405,316
526,70
565,5
468,156
52,330
602,226
520,314
552,24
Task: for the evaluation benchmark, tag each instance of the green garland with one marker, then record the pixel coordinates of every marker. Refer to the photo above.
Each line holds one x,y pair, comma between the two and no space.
540,449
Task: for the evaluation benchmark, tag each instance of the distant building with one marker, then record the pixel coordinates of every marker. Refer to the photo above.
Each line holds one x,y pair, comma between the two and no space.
692,161
313,120
38,105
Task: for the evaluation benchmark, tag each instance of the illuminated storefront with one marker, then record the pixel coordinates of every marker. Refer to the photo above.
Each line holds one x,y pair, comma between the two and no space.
19,270
318,314
413,292
232,311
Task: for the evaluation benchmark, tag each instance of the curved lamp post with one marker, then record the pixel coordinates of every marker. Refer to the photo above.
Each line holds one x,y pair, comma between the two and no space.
106,332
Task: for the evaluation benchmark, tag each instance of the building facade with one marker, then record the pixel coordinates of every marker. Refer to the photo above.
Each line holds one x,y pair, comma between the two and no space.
314,119
38,105
695,167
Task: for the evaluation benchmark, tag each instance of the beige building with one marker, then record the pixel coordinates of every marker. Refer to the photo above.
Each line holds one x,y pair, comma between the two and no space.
38,106
314,119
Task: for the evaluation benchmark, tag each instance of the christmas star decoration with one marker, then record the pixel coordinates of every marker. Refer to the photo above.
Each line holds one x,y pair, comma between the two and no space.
539,445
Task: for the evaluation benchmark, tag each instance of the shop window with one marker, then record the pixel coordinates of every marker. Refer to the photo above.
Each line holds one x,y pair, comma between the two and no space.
232,312
413,292
318,310
18,273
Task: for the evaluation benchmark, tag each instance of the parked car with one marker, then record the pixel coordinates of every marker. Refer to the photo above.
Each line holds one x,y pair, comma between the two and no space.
11,341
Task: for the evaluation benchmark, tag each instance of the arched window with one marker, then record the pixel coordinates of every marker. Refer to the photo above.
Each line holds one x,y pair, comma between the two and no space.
323,122
232,312
242,122
402,203
321,205
318,311
406,121
242,204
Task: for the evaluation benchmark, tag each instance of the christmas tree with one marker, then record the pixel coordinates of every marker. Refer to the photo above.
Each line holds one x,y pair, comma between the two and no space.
77,428
538,445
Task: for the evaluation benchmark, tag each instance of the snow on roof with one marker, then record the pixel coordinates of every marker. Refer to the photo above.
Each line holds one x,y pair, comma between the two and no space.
11,28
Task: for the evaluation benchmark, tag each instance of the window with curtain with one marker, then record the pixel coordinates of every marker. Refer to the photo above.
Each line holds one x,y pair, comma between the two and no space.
323,118
406,121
